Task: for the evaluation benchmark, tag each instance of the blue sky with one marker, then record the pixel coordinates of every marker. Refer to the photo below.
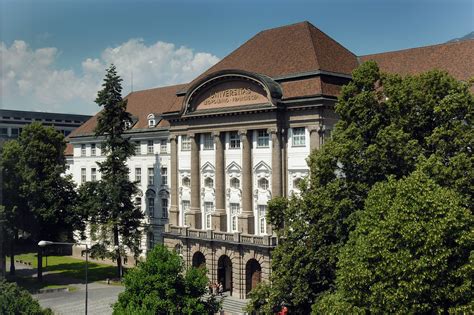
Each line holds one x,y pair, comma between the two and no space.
54,52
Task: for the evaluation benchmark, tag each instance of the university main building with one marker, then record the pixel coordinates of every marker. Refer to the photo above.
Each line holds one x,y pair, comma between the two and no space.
210,154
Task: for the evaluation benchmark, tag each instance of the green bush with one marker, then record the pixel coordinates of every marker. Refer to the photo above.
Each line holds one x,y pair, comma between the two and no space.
14,300
160,285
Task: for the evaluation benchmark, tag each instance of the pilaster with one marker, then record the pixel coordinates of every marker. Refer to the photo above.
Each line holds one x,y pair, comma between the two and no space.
174,206
246,219
219,217
193,216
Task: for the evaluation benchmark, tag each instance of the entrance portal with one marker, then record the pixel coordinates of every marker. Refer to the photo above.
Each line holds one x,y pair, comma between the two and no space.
253,275
224,272
199,261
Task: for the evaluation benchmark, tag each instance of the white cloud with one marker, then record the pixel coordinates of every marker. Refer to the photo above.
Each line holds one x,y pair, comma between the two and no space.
31,80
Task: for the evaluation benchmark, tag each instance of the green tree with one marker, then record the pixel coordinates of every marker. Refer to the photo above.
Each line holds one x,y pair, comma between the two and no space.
161,285
411,252
41,197
389,126
14,300
108,203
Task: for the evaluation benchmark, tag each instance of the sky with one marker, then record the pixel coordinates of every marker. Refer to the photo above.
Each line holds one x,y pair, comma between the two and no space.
53,53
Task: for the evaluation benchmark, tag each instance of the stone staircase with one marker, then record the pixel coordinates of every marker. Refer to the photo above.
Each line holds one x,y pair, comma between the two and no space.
232,305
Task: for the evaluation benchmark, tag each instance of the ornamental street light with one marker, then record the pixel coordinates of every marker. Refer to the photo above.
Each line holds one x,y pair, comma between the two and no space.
47,243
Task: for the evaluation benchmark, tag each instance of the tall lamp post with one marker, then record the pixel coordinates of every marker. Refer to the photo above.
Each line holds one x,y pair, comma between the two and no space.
47,243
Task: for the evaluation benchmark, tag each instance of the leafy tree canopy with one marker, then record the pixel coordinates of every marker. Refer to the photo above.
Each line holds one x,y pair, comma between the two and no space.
389,126
160,285
14,300
411,252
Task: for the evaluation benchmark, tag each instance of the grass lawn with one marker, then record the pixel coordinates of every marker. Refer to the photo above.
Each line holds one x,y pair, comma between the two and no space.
68,267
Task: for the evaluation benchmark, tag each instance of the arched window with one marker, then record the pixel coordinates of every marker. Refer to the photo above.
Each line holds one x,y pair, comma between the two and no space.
209,182
235,183
263,183
186,182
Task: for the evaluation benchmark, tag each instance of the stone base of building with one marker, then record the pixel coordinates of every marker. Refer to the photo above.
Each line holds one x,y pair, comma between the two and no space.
236,260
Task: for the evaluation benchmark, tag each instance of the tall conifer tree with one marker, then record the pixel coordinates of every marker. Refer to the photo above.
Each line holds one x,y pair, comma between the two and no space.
109,201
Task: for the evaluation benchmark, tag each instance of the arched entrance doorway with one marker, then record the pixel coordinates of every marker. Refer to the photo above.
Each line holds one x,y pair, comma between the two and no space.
224,272
253,275
199,261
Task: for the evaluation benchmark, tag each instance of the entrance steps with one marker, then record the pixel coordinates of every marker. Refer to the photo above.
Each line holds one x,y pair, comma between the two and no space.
232,305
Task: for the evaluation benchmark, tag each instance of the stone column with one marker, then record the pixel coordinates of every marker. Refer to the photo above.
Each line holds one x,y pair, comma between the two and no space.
174,207
314,141
246,219
276,163
193,216
219,218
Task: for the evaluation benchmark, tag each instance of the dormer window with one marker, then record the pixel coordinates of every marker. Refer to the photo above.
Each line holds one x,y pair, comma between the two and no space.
151,120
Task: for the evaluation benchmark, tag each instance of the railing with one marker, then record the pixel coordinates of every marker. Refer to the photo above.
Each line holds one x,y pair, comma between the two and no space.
237,237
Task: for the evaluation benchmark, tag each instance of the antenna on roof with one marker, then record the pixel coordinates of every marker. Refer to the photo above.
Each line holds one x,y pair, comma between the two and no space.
131,75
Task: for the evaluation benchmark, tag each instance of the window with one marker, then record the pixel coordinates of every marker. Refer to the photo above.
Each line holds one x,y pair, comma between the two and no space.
234,213
234,140
263,183
299,137
209,182
186,182
164,176
185,204
93,149
138,175
151,120
15,132
150,145
235,183
164,208
163,146
93,174
208,141
296,183
83,150
127,124
262,139
4,132
262,211
138,149
208,209
103,147
151,207
83,175
151,240
185,143
67,132
151,176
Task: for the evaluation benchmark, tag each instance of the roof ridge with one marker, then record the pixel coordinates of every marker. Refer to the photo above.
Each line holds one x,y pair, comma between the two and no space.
332,39
285,26
420,47
312,43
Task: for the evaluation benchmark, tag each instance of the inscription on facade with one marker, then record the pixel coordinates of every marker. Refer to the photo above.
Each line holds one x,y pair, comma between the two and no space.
230,93
231,96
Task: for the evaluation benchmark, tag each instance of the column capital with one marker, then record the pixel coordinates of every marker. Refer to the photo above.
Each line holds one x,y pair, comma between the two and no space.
173,137
191,134
272,130
318,128
216,133
242,132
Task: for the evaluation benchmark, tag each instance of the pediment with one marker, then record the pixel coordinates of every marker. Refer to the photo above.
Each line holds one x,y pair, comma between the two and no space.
262,167
233,168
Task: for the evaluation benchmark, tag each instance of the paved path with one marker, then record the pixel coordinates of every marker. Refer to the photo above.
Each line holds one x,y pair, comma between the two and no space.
101,297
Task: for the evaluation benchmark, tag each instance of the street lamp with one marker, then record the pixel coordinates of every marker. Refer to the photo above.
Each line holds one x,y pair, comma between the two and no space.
47,243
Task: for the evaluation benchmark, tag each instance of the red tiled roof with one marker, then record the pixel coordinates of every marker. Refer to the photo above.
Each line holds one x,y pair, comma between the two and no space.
457,58
140,104
301,48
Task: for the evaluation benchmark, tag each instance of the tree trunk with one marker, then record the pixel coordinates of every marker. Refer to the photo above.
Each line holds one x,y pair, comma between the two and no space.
12,257
40,264
119,258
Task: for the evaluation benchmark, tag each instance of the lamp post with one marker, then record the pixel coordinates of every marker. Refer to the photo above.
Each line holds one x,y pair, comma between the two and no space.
47,243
